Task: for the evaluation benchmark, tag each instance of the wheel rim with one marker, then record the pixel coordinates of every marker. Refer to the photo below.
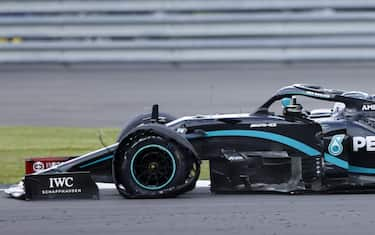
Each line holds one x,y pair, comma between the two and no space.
153,167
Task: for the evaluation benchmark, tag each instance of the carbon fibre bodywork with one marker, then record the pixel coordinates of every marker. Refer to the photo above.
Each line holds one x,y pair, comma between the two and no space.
329,150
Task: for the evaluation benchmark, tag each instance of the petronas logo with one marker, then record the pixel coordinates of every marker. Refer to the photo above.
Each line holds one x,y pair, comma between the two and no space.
335,148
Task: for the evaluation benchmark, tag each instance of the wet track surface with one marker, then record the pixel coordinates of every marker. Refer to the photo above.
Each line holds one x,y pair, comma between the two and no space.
109,95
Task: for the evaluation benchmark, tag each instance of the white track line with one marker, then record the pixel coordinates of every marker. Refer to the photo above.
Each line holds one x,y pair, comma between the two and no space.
203,183
200,184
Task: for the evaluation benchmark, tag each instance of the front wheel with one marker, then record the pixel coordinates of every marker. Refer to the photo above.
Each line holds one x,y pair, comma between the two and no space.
153,167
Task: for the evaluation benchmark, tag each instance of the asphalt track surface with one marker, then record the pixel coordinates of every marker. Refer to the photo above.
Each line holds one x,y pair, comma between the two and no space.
198,212
109,95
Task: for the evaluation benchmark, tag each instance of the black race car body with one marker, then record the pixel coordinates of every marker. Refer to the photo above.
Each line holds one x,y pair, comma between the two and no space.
331,150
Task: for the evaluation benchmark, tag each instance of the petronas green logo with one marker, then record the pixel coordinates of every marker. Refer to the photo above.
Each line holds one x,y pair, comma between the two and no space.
335,148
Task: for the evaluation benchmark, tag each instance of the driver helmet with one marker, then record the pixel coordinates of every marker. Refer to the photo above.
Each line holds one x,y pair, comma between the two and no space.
291,106
338,107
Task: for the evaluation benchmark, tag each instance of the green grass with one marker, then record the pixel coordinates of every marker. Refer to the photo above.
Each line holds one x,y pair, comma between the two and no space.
20,143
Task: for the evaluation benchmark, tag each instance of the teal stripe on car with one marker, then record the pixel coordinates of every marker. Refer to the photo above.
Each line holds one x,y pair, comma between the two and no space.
97,161
336,161
268,136
358,169
292,143
345,165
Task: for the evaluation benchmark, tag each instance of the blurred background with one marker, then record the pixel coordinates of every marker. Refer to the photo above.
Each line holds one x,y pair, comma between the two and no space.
176,31
97,63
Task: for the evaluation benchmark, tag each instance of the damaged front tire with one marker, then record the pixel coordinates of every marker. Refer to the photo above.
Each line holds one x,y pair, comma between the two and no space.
153,166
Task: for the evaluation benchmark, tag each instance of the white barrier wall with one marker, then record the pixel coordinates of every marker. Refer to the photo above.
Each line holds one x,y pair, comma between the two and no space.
186,30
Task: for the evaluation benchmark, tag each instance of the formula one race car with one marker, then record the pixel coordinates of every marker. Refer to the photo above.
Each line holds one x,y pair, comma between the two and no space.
330,150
